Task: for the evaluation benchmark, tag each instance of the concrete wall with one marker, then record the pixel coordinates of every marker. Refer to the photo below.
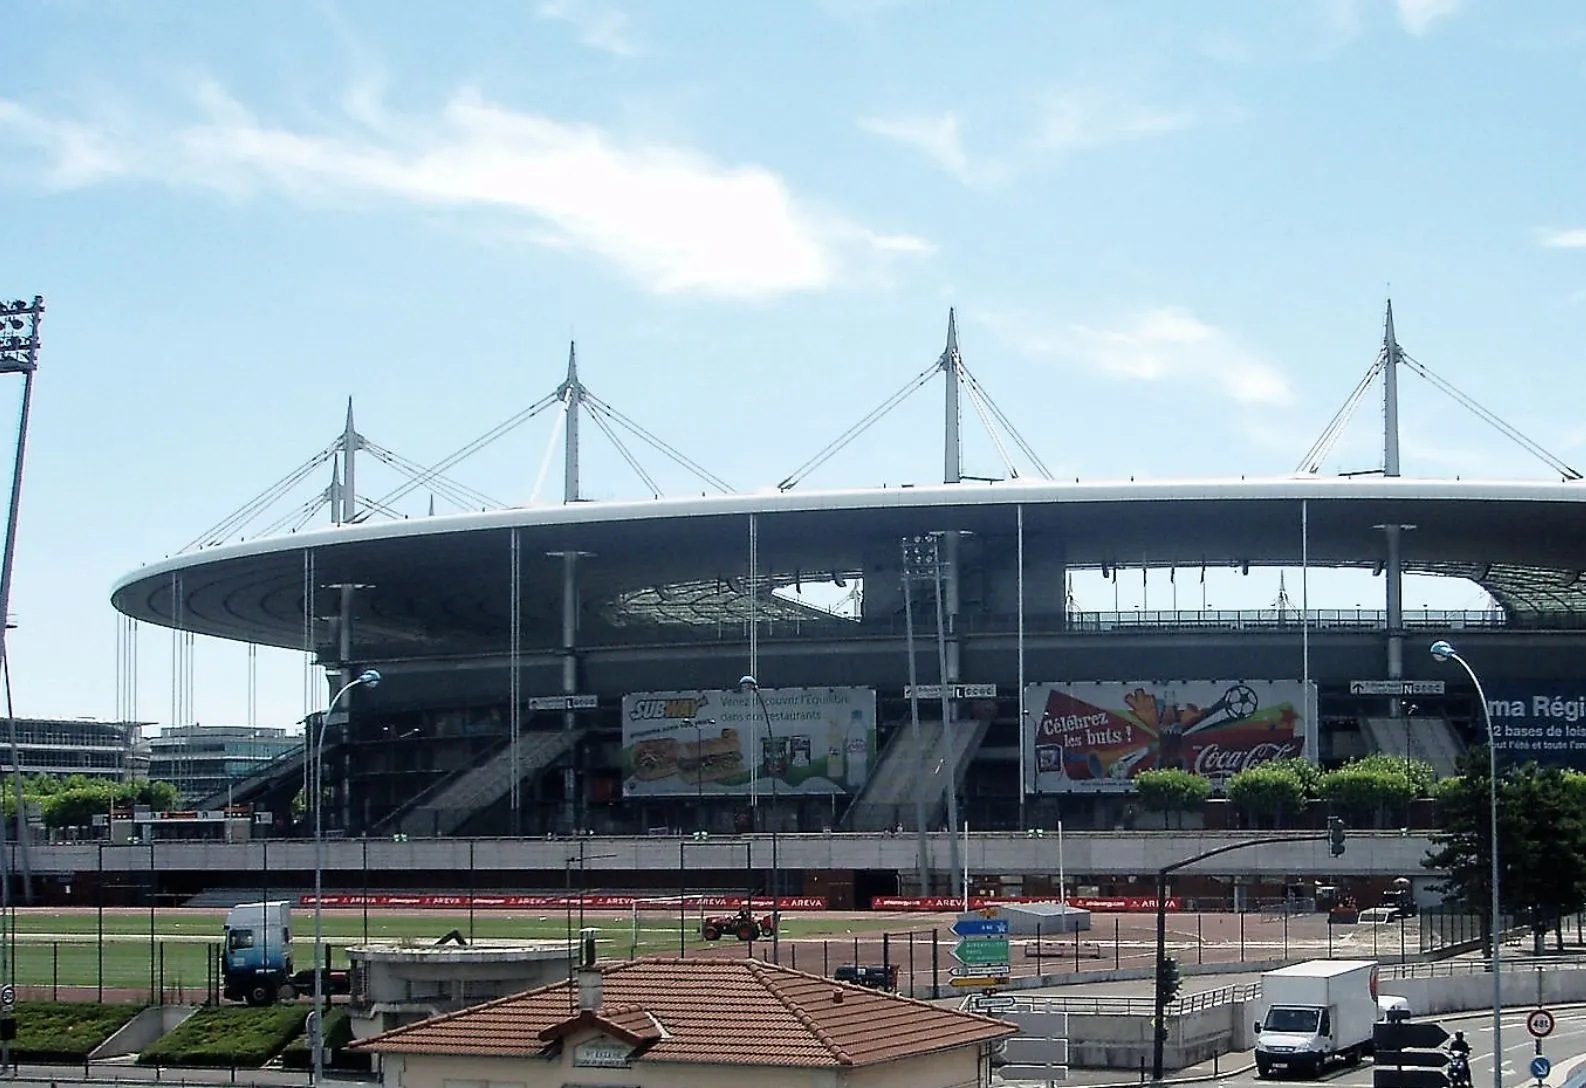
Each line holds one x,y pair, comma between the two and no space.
1092,853
142,1030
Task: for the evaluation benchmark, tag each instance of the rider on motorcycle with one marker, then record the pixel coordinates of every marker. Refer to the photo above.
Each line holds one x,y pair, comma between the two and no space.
1459,1068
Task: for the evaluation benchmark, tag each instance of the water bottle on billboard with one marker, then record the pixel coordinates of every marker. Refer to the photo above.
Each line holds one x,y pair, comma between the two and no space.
858,749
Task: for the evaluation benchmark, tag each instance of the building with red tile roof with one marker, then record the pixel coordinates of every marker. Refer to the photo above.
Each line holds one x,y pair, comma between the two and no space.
655,1023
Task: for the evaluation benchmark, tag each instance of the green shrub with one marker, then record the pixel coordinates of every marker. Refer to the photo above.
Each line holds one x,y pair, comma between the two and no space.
65,1032
338,1033
228,1036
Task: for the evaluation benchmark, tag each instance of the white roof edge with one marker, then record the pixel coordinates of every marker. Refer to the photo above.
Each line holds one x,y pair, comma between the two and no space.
970,494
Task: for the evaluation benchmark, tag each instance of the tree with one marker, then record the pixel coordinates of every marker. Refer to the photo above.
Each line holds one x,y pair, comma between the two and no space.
1168,791
1377,787
1270,791
1541,841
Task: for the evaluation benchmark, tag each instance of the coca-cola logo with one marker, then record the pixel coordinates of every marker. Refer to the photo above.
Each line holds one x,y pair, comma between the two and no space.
1214,760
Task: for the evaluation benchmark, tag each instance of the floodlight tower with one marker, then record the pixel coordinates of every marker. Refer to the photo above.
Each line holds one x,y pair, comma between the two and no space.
19,354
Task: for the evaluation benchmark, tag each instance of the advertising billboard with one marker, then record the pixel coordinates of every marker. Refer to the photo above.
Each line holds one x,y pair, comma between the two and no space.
1540,720
1095,737
819,740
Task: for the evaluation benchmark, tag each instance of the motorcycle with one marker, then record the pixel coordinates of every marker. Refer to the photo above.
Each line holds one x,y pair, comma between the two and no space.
1459,1071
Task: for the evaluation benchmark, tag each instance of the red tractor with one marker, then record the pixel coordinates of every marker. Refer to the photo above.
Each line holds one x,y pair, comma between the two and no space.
743,925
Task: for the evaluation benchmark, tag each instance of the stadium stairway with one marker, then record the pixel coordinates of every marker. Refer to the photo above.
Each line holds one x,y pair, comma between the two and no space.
1429,739
888,796
284,768
444,811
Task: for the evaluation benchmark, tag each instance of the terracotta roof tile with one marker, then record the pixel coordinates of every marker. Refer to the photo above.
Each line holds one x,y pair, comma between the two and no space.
709,1011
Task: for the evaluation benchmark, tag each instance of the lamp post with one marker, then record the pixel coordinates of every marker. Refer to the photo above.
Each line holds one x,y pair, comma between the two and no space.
368,678
1443,651
749,683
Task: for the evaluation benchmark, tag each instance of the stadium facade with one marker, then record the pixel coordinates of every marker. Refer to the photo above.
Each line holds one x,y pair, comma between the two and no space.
585,667
581,666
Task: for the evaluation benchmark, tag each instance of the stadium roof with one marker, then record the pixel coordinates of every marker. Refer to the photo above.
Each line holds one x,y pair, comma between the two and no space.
443,580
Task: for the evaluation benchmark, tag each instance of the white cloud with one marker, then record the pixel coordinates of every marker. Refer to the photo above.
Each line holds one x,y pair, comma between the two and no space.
597,25
666,216
940,139
1091,117
1166,344
1417,16
1574,238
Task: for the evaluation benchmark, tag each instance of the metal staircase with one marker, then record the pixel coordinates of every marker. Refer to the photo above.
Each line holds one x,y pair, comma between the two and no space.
447,809
888,796
1429,739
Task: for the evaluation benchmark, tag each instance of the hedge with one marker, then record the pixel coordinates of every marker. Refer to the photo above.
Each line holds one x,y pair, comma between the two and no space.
338,1033
66,1032
228,1036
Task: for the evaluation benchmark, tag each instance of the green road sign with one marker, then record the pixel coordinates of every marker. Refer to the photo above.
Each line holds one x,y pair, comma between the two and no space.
981,951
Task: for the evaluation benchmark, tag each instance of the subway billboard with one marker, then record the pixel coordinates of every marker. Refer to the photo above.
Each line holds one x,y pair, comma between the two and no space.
1095,737
698,743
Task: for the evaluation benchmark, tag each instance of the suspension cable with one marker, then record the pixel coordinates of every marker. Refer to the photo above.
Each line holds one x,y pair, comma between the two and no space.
239,519
550,450
1007,424
1492,419
1312,461
979,406
605,426
659,445
471,448
797,475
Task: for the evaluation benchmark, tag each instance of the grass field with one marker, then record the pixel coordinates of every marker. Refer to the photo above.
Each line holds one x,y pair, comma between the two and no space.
176,949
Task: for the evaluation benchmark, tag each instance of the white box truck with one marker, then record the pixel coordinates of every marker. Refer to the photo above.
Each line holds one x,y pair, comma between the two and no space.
1316,1013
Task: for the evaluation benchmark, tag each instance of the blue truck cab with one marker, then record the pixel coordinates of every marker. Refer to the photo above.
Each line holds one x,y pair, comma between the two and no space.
256,963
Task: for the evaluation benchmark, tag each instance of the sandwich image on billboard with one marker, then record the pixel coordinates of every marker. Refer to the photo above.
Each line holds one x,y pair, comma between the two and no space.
819,741
1095,737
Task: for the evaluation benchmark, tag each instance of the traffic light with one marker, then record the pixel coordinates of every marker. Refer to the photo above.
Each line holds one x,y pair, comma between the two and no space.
1335,835
1167,978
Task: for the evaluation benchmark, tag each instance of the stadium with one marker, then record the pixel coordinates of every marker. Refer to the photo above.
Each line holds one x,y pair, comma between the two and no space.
906,659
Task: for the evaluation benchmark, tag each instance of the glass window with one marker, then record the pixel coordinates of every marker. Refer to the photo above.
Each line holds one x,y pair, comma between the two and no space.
239,938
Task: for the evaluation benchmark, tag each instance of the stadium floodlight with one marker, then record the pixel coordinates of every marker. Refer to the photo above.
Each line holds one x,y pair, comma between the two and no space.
369,678
1442,650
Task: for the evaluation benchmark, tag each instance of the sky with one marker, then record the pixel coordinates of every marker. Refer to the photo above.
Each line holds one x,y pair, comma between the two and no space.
1168,231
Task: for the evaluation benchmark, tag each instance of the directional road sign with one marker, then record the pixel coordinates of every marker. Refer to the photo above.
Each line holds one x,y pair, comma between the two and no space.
1408,1078
980,927
1540,1067
1540,1023
980,951
1001,970
978,983
1408,1035
1426,1059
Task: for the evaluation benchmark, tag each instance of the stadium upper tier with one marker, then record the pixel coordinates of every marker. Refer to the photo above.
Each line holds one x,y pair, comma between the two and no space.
656,570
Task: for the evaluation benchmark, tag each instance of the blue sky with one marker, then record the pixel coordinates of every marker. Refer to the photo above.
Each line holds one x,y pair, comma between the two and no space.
1168,229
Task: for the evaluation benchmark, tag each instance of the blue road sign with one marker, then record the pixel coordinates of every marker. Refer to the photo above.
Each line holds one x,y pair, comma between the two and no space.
1540,1067
980,927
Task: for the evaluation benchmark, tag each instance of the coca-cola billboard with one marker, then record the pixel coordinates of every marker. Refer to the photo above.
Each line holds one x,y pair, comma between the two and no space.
1095,737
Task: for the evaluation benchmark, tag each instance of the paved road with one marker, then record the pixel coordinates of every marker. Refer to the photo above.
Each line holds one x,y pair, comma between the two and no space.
1566,1047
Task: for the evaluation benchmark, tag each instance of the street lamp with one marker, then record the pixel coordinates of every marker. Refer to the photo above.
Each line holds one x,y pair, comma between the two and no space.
368,678
1443,651
749,683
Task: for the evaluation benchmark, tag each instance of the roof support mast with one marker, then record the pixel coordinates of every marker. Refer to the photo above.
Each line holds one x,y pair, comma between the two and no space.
572,396
344,511
947,590
1393,568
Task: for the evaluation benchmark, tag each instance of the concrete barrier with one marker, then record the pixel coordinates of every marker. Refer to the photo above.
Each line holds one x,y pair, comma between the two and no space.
1121,1042
142,1030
